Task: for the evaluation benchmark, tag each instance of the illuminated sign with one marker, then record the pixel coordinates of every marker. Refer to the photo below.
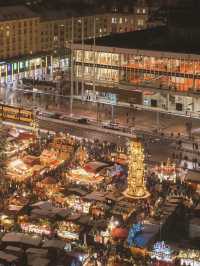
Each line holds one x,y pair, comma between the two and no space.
162,252
68,235
31,228
15,113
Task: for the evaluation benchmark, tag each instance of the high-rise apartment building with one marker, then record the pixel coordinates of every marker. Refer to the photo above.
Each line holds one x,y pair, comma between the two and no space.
23,32
19,32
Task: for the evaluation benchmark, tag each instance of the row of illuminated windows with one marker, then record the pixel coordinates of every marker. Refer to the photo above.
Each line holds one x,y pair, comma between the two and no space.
8,68
141,11
140,62
14,26
121,20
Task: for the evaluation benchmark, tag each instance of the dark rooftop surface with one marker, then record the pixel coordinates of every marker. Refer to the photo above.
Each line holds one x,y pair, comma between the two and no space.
156,39
16,12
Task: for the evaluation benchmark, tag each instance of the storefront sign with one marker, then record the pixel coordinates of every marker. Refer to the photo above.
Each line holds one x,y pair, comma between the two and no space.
68,235
31,228
15,113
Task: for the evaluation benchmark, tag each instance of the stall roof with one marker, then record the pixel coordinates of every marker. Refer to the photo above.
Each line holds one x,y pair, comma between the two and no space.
113,197
78,191
15,208
96,166
8,257
12,248
73,217
21,238
39,262
96,196
84,220
50,212
45,213
42,204
194,177
54,243
38,251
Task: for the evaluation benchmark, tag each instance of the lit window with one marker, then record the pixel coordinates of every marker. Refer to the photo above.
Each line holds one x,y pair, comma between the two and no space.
120,20
144,11
114,20
138,11
140,22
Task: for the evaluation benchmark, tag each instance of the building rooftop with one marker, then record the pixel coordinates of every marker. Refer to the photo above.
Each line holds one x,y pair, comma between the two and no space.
156,39
15,12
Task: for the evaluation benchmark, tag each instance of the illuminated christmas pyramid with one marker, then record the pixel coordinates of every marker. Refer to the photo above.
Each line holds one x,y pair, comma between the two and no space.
82,156
136,184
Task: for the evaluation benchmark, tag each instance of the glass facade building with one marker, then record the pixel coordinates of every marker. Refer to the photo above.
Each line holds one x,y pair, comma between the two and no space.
169,81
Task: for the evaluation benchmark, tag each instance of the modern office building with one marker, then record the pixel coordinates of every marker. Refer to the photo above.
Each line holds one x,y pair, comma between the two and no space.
152,63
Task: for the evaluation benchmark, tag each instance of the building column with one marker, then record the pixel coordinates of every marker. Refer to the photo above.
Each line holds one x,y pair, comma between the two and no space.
83,60
72,70
167,101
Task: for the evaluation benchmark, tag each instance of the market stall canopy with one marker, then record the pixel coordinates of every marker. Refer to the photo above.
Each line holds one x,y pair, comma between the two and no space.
21,238
113,197
25,136
31,160
39,262
51,212
96,196
15,208
49,181
42,205
73,217
84,220
119,233
77,190
9,258
37,251
11,249
54,243
95,167
193,177
42,213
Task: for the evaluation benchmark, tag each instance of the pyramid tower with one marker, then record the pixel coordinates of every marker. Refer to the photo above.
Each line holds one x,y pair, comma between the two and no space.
136,184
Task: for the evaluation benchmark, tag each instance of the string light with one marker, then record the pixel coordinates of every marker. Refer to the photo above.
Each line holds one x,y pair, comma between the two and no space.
136,184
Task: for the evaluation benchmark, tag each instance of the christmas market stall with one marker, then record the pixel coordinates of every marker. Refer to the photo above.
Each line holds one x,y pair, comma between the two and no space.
189,257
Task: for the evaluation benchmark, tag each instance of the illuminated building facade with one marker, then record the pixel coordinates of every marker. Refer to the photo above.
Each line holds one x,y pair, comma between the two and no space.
19,32
36,67
23,32
168,81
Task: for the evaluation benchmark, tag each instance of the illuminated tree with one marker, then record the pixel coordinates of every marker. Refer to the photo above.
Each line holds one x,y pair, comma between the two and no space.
136,184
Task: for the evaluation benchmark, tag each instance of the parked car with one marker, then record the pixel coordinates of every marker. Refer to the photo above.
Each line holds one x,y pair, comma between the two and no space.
83,121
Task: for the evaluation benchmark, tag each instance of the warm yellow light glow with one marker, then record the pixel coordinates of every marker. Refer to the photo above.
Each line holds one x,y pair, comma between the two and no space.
136,185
